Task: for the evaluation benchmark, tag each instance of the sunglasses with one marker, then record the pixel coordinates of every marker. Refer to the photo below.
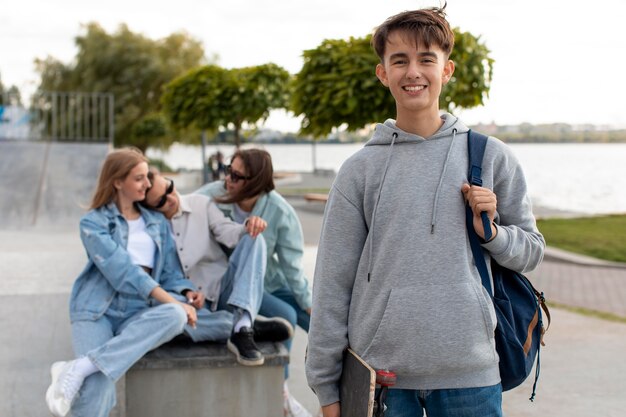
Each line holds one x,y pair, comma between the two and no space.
234,176
163,198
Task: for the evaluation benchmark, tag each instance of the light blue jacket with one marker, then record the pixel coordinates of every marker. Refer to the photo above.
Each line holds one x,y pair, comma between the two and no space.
110,271
283,237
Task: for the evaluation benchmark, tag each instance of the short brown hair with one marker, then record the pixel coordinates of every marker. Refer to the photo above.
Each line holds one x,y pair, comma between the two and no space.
428,26
117,166
259,167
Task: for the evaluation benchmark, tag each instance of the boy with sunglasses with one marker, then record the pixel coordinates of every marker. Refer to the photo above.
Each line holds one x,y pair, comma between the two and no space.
232,284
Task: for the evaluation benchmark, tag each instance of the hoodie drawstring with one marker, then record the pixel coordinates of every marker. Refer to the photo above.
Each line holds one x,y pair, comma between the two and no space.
443,174
394,136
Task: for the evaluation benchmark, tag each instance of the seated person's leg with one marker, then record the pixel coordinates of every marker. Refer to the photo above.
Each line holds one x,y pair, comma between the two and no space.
97,397
242,293
213,326
78,385
136,336
242,283
286,295
275,307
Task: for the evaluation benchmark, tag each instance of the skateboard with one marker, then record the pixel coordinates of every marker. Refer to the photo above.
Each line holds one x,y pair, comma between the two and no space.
358,397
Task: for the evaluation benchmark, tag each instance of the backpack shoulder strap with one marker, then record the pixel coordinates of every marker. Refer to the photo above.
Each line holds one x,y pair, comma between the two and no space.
476,144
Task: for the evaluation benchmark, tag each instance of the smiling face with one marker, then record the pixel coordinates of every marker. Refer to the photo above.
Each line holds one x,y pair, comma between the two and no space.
133,188
414,75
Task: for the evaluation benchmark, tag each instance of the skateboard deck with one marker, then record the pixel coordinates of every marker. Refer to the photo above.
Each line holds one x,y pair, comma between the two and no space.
357,386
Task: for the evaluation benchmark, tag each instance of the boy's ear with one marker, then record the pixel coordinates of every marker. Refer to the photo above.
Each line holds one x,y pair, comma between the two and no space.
381,73
448,70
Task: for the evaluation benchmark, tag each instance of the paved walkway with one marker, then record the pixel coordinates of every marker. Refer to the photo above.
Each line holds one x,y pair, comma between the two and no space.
582,368
583,372
599,288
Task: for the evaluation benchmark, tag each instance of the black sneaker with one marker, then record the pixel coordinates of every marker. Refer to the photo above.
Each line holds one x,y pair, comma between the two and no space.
275,329
243,346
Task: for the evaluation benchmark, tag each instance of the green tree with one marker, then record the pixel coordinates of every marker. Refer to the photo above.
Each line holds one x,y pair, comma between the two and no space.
471,81
211,97
151,131
192,100
337,84
131,66
9,95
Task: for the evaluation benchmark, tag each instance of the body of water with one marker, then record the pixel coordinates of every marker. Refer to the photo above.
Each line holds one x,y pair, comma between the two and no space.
585,178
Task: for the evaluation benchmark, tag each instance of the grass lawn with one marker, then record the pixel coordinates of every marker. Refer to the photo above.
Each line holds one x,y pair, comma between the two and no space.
602,237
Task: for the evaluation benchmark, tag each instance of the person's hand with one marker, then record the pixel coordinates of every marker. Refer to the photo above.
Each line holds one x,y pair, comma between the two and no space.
481,199
192,317
331,410
308,311
255,225
196,299
163,296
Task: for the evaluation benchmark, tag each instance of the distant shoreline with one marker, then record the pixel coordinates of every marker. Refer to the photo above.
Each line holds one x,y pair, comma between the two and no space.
503,138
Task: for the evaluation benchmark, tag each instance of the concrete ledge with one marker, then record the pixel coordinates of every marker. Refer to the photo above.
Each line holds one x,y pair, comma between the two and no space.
287,178
559,255
195,379
323,198
181,355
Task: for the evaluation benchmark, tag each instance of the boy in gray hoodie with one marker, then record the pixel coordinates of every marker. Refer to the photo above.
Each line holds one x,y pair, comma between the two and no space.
395,278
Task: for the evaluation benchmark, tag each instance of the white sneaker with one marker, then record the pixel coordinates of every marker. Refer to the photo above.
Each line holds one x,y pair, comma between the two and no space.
63,389
291,406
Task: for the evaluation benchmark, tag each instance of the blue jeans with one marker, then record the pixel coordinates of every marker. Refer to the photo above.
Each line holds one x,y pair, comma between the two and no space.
132,327
242,288
282,303
460,402
114,342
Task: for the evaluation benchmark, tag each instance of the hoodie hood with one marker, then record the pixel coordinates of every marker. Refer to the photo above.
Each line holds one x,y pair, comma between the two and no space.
383,135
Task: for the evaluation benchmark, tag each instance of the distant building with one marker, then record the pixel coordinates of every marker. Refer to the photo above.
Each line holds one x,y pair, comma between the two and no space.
14,122
487,129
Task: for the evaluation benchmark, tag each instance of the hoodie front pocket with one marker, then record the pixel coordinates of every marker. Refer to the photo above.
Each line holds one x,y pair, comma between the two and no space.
433,329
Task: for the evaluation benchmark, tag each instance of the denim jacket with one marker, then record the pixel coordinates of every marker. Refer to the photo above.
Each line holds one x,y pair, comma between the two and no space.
284,240
110,271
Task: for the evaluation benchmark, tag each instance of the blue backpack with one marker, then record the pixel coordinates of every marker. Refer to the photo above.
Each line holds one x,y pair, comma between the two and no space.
519,331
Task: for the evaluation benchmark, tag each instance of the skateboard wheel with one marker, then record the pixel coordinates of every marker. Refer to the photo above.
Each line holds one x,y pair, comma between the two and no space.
385,378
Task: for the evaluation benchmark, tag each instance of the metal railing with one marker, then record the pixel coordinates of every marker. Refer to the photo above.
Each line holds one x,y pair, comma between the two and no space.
59,116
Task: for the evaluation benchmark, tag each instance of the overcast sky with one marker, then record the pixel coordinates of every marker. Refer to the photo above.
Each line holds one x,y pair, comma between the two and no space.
556,60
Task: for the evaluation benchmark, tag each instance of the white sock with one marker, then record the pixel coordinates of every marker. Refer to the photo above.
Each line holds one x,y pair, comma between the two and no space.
245,320
85,367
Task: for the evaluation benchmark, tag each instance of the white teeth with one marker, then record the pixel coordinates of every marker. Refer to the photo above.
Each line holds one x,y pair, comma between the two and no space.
414,88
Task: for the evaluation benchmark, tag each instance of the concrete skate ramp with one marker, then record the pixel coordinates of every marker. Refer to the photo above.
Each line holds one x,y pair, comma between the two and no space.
47,184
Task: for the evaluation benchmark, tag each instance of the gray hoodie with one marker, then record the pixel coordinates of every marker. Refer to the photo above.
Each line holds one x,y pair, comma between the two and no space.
395,278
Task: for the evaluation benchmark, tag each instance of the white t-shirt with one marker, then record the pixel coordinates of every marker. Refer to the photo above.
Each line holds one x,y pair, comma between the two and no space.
239,215
141,247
